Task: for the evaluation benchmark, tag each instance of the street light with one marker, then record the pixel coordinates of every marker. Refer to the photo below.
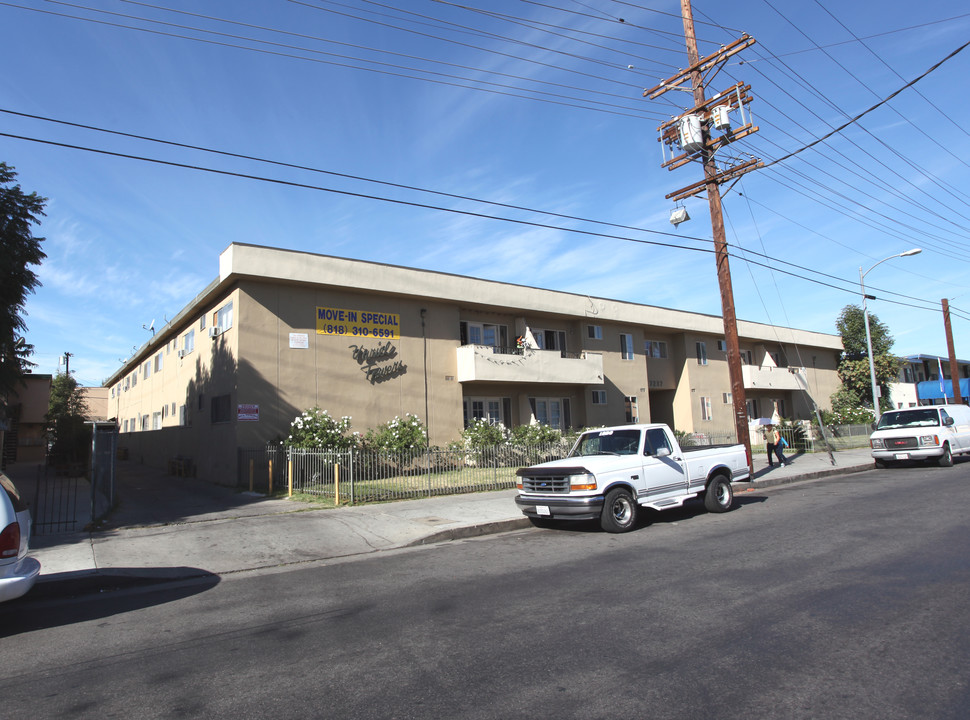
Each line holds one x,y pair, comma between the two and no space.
865,314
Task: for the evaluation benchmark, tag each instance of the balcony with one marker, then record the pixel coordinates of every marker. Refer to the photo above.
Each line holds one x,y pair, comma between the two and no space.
773,378
485,363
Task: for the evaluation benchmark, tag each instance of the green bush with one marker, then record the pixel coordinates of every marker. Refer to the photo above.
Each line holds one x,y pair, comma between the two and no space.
399,434
537,434
481,433
849,416
316,429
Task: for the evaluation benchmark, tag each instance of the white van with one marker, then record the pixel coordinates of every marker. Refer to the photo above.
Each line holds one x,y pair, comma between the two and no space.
922,433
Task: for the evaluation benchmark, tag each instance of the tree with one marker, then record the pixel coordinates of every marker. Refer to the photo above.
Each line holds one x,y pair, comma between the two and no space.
19,250
854,365
70,438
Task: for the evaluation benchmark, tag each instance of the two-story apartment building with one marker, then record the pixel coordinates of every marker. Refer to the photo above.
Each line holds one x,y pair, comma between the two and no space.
919,383
281,331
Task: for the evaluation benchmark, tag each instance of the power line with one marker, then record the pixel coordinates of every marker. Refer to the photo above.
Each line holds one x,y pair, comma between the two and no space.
592,105
346,44
426,206
874,107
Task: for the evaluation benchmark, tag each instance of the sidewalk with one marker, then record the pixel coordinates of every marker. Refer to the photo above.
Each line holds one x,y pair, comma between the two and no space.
168,528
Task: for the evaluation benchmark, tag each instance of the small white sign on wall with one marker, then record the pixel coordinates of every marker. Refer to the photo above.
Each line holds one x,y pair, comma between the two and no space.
300,341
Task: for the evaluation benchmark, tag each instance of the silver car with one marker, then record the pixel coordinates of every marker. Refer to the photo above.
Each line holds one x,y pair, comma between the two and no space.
18,573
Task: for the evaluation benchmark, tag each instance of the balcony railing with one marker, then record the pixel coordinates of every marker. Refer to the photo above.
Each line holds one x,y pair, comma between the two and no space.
488,363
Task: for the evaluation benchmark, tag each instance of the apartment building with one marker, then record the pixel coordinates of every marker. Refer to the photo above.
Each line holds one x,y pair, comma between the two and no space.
280,331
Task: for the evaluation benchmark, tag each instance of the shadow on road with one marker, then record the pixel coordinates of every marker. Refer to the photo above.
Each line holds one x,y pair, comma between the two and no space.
72,597
647,517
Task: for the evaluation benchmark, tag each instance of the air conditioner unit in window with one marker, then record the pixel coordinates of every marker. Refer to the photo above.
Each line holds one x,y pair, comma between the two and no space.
213,332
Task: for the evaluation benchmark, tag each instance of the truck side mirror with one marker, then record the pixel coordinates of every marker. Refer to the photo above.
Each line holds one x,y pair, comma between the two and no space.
948,422
663,452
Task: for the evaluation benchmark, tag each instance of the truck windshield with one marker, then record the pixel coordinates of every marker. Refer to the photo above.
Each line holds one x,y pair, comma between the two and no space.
608,442
909,418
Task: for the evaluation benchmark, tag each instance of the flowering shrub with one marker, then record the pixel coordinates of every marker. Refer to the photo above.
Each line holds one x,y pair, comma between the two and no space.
849,416
315,428
481,433
537,434
405,433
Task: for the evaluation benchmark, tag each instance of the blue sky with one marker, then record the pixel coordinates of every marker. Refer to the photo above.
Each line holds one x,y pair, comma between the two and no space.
438,97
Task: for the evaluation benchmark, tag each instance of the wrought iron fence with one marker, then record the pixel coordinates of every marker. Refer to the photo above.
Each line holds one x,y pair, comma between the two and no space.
360,476
61,502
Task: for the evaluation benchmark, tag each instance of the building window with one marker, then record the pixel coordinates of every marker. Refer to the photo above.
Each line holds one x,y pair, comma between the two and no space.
220,409
751,406
632,411
202,322
656,349
553,412
182,417
148,369
134,378
626,346
550,339
188,342
599,397
726,398
224,317
702,353
746,357
144,422
473,333
706,408
722,346
156,421
158,362
594,332
492,409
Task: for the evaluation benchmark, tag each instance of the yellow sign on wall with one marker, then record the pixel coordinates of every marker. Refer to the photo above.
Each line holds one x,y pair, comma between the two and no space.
358,323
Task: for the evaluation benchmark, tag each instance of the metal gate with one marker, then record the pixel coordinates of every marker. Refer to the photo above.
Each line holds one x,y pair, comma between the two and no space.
61,502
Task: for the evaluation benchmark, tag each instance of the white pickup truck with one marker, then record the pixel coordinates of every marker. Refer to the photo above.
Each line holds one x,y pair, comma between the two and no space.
613,471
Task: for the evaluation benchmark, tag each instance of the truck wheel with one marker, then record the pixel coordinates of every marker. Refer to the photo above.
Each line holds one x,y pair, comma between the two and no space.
719,496
619,511
946,459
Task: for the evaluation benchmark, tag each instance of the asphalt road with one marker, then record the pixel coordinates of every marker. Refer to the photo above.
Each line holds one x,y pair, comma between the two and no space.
839,598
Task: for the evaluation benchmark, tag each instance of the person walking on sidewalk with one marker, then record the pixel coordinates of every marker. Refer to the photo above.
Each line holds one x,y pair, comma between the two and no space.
779,445
769,435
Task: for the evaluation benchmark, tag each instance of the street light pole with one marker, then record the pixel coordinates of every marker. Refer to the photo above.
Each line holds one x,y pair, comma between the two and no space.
865,314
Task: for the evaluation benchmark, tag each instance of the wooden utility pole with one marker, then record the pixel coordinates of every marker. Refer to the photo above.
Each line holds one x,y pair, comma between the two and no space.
954,367
682,132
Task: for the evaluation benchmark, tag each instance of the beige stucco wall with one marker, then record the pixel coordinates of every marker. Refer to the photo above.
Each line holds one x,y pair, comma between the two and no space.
207,371
96,400
285,381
